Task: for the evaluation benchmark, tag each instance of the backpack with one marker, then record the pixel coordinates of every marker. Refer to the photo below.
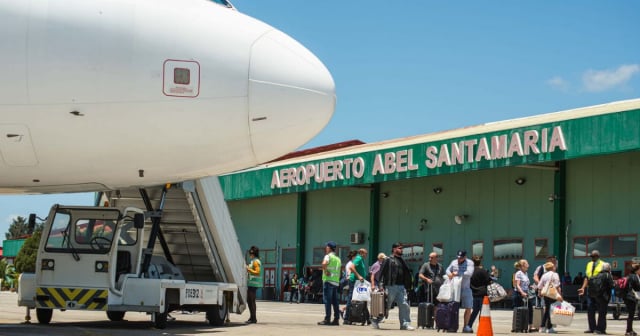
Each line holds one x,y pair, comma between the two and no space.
596,285
620,287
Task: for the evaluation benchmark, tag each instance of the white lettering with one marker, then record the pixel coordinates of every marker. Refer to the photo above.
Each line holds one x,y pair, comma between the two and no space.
531,142
557,140
432,160
378,167
483,150
515,146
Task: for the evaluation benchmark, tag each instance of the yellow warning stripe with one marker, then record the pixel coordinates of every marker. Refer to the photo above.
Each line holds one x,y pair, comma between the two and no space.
59,297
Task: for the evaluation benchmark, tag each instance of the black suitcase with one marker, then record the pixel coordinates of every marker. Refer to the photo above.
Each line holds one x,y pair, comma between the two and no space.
425,312
520,323
358,312
447,316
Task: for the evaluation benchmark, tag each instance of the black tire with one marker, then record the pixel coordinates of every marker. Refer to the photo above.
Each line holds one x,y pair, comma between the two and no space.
160,320
217,315
44,315
115,316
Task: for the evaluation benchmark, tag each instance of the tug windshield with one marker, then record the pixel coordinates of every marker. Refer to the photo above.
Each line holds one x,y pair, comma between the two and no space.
86,231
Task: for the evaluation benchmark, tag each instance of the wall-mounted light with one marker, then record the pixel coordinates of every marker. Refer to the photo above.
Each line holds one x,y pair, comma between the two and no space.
521,180
384,194
423,224
460,218
437,190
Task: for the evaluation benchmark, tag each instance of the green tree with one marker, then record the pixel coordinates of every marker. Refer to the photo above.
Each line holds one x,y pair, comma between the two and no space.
26,258
3,268
10,276
18,228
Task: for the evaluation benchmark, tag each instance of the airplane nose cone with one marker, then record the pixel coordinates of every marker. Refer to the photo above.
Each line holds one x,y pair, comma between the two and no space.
291,95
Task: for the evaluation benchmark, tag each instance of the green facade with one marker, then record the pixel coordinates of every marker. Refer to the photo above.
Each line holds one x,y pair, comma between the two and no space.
589,136
580,196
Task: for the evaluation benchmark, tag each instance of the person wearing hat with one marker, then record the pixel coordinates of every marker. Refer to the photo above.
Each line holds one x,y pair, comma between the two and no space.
463,268
595,300
331,265
396,278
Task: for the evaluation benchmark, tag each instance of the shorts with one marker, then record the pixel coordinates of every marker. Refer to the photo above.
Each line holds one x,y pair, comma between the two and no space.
466,298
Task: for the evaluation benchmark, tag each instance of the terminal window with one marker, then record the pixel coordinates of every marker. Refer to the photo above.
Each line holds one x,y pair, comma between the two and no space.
505,249
609,246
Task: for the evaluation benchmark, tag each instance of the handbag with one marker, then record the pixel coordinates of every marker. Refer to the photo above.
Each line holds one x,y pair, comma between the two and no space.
446,292
562,313
361,291
456,289
549,291
496,292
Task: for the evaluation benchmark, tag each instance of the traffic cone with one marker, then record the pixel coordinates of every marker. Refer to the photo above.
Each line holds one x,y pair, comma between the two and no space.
485,327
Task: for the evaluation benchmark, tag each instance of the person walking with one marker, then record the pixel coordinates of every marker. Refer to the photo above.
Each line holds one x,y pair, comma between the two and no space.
479,281
633,284
347,283
254,281
463,268
432,274
374,270
357,272
551,277
596,301
330,281
294,289
396,278
521,292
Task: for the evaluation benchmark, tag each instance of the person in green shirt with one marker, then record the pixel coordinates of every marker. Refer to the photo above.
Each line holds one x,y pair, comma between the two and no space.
330,281
254,281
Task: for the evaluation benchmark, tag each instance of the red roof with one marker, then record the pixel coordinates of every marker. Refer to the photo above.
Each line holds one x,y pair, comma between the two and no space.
320,149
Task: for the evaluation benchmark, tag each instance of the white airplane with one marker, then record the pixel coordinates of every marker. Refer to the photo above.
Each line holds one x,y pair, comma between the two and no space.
104,94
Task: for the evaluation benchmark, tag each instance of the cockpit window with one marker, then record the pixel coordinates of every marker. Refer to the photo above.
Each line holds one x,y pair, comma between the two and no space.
223,3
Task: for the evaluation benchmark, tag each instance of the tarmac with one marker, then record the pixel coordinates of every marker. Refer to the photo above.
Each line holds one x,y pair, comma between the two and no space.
274,318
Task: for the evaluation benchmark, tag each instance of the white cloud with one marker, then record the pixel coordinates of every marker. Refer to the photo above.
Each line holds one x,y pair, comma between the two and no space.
558,83
597,81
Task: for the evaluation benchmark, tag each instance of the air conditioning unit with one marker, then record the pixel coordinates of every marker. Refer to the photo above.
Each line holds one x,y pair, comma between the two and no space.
357,238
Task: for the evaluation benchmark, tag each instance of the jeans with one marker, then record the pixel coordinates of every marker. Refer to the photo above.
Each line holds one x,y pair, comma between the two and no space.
347,310
398,294
330,299
477,305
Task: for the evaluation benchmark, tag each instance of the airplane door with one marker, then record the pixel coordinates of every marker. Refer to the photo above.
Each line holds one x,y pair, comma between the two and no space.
16,148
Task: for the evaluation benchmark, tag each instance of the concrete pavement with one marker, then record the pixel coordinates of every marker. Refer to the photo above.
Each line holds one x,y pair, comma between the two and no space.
274,318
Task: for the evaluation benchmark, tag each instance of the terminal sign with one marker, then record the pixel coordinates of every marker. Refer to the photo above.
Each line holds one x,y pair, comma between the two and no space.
448,154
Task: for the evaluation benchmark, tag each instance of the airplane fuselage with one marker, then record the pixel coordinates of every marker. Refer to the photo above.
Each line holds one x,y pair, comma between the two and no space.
105,94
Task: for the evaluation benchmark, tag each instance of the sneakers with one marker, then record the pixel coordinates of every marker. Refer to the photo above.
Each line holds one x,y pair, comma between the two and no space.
407,327
250,321
336,321
467,330
551,331
375,325
600,332
324,322
631,333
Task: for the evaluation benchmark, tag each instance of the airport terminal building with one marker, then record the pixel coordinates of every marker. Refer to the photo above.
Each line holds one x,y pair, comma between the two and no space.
560,184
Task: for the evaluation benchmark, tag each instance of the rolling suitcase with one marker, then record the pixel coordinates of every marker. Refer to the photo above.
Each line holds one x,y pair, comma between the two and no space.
447,316
358,312
537,315
378,304
425,311
520,323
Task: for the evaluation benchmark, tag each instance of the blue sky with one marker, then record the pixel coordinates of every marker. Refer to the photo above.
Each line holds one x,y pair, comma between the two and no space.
417,66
